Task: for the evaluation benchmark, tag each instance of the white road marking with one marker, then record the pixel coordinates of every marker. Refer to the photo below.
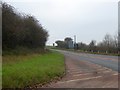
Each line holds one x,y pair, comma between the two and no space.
106,71
81,79
85,78
76,72
82,74
115,74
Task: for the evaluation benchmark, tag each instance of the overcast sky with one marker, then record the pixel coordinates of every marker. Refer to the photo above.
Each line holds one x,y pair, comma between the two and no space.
87,19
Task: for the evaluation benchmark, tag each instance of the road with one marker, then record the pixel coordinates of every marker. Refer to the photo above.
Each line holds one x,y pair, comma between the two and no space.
88,71
104,60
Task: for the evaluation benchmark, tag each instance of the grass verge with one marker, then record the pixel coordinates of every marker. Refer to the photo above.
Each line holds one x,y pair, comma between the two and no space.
21,71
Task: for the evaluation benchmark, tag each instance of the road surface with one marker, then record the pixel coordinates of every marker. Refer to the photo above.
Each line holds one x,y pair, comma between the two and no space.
88,71
103,60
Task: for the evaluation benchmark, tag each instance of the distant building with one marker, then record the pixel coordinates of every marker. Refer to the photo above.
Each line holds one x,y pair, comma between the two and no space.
70,44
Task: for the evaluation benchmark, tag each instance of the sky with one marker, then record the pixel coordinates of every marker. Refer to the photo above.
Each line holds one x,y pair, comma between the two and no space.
87,19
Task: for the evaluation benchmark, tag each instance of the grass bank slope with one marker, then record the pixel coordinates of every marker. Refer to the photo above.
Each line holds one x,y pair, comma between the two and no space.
20,71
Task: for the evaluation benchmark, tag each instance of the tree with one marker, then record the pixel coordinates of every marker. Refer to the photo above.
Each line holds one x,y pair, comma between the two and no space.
67,39
115,43
67,43
19,30
35,36
116,40
60,44
82,46
101,47
92,45
107,40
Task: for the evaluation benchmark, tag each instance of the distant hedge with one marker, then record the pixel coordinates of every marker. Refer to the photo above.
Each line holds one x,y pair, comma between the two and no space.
21,30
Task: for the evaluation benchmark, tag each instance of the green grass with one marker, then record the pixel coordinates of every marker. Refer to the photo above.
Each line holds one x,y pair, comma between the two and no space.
20,71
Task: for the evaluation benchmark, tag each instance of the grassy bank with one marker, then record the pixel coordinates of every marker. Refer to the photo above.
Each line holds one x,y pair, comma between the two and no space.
23,70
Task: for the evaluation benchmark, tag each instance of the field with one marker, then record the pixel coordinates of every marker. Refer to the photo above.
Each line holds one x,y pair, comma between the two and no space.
27,70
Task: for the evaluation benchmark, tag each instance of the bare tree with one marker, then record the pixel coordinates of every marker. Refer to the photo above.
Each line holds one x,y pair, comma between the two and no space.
107,40
116,40
92,45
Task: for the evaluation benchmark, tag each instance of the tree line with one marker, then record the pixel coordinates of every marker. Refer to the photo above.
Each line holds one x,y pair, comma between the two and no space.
109,44
21,30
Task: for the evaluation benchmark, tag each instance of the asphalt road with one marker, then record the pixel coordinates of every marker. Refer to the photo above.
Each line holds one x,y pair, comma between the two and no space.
88,71
103,60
